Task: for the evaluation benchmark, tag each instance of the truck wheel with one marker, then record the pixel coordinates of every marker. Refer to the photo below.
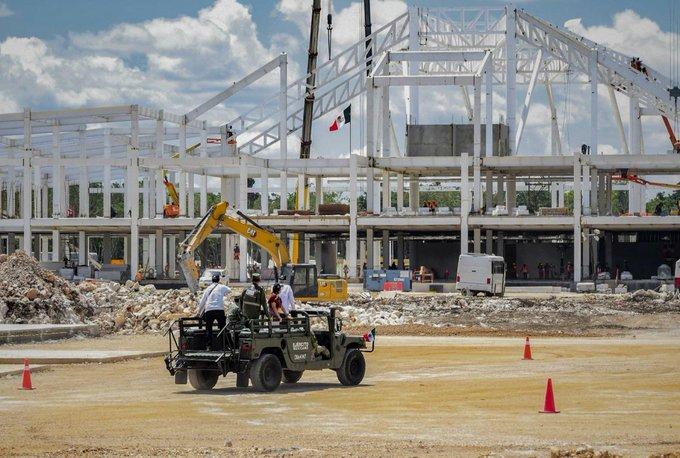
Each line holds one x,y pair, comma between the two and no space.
202,379
353,368
291,376
266,373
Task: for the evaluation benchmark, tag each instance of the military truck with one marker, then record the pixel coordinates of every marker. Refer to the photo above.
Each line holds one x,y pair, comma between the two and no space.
265,352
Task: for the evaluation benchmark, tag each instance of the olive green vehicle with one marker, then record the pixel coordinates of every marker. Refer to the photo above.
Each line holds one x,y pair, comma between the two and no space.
266,353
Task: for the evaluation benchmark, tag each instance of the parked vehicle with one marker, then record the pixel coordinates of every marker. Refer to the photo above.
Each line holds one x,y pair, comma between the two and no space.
206,279
481,273
677,274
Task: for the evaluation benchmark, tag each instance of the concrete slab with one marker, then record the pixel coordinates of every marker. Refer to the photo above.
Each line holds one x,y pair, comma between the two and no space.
22,333
14,369
39,356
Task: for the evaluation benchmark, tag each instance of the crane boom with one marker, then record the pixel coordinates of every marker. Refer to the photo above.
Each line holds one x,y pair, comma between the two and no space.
217,216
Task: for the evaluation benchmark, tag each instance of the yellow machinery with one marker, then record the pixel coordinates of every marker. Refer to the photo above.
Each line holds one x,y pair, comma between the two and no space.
171,210
307,285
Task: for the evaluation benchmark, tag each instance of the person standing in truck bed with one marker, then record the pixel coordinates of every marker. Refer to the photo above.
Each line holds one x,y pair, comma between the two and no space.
211,307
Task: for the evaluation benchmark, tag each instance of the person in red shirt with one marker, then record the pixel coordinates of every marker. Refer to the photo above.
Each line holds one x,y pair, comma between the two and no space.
276,310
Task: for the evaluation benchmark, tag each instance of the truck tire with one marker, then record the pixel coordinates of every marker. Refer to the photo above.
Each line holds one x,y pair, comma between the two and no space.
351,371
291,376
202,379
266,373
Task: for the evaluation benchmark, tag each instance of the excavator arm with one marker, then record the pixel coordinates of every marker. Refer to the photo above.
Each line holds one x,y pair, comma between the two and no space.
172,191
217,216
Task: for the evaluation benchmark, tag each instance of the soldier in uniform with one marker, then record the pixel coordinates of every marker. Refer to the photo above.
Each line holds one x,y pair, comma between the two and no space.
254,300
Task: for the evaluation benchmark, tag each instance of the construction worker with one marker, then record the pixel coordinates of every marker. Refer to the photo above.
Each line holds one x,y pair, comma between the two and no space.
253,300
211,307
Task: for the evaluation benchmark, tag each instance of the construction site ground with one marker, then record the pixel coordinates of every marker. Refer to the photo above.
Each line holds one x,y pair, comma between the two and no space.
422,395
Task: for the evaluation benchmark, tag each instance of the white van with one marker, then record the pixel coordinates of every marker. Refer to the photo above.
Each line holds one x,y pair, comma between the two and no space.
481,273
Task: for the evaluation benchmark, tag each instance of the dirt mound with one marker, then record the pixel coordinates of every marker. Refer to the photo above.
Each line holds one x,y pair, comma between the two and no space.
31,294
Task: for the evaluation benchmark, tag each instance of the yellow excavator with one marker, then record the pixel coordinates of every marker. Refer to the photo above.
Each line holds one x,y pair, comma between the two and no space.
307,284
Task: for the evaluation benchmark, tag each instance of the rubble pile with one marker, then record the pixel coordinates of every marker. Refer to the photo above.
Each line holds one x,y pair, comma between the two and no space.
31,294
552,313
132,308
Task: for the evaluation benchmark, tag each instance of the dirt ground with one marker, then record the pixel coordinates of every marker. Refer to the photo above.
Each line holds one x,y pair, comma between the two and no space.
423,395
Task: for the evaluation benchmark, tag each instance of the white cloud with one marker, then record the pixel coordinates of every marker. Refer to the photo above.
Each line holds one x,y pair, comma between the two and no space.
5,11
167,63
630,34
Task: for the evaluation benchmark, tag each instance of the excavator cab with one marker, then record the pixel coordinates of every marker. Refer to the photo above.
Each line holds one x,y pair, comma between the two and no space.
304,282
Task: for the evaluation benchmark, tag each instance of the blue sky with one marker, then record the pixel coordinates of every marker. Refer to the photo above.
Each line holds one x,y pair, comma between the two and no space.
169,54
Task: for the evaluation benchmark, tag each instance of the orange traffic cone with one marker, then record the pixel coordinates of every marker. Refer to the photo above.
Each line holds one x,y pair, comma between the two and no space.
26,377
549,405
527,349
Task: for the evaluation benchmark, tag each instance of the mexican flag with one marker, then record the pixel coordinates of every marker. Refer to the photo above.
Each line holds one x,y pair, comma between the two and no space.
341,120
369,336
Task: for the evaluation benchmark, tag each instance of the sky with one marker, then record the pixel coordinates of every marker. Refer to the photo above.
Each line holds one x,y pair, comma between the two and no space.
174,54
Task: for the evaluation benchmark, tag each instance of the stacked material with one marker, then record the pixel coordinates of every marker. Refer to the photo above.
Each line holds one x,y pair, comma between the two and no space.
333,209
557,211
32,294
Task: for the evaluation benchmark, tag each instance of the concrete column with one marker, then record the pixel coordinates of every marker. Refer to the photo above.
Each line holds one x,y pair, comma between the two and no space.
609,194
500,243
132,188
26,183
386,248
182,175
489,192
511,194
172,256
44,248
594,190
351,256
243,185
106,183
264,193
477,146
370,145
464,203
191,194
106,249
203,151
386,191
577,218
283,128
57,174
318,191
82,248
301,192
400,250
158,251
11,243
306,247
489,241
585,246
477,235
400,192
55,246
414,192
370,255
83,181
160,187
243,261
510,79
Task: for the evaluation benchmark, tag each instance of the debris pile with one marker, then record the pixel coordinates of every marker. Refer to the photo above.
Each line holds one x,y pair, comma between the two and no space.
551,314
132,308
31,294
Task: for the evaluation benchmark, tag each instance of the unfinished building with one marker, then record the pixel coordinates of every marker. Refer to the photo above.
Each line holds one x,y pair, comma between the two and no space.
62,171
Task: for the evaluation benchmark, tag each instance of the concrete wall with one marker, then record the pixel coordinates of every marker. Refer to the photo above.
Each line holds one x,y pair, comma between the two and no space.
452,139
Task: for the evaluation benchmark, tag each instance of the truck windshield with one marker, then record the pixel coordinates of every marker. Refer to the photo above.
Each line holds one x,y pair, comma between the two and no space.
497,267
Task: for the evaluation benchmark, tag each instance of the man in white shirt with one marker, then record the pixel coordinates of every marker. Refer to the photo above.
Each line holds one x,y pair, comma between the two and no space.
287,299
211,307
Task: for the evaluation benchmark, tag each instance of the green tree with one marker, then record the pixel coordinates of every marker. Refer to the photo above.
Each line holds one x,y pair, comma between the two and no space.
664,203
